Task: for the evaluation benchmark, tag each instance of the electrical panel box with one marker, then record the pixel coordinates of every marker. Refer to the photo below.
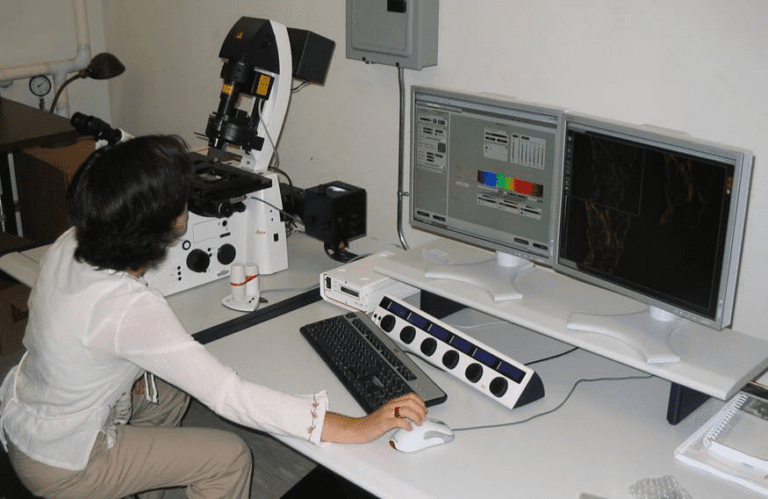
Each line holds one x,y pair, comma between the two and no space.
393,32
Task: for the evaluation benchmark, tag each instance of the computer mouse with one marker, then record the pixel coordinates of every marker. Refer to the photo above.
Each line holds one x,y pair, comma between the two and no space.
431,432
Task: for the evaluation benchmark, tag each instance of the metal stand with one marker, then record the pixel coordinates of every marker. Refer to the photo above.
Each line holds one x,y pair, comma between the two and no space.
682,402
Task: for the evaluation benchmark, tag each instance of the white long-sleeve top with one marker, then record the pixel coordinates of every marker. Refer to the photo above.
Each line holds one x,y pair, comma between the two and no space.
91,334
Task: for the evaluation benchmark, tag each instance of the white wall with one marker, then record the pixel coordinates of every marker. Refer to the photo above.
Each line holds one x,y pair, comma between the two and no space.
40,31
699,66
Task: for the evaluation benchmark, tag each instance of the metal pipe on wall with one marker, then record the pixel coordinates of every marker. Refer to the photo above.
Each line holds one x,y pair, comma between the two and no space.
59,69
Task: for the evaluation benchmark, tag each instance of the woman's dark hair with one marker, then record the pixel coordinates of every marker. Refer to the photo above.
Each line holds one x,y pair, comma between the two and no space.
124,201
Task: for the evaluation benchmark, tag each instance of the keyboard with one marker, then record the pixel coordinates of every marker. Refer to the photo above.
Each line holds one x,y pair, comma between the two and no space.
369,364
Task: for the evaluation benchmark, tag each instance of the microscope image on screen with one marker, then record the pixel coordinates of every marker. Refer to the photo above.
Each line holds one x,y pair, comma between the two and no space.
656,218
236,210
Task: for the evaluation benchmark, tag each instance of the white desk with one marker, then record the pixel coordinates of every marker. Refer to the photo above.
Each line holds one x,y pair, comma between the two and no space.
608,436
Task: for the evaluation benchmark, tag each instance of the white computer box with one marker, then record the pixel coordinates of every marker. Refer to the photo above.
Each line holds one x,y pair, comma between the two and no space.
356,286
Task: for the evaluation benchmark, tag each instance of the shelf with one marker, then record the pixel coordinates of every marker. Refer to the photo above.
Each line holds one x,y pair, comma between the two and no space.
715,363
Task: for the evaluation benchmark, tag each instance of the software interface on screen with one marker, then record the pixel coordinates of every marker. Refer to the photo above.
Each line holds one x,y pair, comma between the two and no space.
483,170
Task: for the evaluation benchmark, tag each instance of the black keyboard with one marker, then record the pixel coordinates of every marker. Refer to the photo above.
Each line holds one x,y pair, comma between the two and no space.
369,364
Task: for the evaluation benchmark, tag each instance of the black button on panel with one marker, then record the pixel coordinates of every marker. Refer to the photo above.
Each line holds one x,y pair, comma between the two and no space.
499,386
474,372
387,323
451,359
428,346
407,334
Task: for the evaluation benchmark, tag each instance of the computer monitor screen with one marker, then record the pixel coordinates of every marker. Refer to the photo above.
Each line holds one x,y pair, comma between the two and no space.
654,216
484,171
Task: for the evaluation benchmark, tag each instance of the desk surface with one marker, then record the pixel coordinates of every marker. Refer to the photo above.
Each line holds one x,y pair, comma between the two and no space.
606,437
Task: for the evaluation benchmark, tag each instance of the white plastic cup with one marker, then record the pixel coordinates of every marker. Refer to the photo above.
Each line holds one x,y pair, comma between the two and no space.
252,281
237,282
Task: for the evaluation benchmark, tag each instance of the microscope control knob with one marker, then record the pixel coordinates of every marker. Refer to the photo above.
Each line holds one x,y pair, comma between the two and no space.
198,261
226,254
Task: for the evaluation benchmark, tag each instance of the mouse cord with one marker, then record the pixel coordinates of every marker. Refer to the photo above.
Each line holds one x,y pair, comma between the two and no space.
567,397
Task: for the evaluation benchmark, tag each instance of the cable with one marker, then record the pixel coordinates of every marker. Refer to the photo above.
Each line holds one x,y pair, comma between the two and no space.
284,174
400,161
341,254
504,322
275,159
300,86
558,406
283,212
552,356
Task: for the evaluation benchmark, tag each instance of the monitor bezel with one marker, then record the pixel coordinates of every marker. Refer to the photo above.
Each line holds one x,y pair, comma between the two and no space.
552,115
742,161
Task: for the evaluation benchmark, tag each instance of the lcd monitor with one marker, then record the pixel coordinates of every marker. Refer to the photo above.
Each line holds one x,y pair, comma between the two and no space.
658,217
485,171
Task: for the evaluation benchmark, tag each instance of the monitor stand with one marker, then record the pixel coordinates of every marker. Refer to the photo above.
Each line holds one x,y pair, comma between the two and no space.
496,277
647,331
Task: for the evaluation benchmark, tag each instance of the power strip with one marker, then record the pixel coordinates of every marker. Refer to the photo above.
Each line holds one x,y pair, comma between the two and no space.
492,373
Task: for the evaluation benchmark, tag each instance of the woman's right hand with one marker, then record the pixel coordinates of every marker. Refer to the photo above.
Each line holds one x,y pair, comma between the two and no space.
397,413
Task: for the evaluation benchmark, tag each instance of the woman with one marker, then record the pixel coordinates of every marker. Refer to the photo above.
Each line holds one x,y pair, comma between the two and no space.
74,419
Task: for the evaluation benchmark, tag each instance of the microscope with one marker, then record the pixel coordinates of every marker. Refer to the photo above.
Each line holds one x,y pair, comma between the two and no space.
235,210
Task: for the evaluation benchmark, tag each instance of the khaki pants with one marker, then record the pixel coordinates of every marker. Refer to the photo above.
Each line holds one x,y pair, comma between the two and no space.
151,453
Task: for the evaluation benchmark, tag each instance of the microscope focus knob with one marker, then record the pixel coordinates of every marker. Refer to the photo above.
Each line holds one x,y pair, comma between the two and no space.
198,261
226,254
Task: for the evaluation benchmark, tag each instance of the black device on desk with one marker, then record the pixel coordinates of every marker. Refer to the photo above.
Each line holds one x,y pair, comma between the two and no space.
369,364
334,212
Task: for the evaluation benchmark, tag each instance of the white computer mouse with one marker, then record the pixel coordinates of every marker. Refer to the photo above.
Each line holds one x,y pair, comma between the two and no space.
431,432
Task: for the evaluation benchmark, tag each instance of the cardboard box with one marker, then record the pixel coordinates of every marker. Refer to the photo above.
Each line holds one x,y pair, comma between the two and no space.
43,175
13,316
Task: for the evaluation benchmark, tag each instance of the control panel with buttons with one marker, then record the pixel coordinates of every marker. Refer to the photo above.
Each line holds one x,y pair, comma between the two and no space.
494,374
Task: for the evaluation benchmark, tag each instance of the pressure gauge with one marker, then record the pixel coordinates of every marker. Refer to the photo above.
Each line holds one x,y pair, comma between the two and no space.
40,85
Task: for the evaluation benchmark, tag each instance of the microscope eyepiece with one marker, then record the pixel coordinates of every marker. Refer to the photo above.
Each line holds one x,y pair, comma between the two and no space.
100,130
